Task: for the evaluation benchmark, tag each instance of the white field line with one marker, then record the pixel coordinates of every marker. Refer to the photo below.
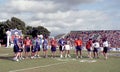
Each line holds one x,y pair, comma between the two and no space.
37,67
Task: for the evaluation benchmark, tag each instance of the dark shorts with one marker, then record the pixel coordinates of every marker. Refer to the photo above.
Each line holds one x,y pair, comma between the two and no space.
78,48
37,48
53,48
45,48
61,48
105,49
33,49
89,50
20,50
95,50
15,49
27,48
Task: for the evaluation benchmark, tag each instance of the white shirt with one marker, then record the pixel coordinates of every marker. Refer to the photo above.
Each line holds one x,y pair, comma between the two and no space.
105,44
96,45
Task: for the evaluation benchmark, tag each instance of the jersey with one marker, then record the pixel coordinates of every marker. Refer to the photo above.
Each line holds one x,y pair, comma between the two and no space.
16,41
21,42
45,42
78,42
27,42
53,43
88,44
105,44
61,42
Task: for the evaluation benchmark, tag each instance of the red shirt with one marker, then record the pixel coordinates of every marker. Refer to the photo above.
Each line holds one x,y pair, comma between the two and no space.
88,44
27,42
53,42
78,42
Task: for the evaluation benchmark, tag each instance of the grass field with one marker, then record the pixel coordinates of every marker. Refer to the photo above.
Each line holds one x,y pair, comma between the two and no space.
58,65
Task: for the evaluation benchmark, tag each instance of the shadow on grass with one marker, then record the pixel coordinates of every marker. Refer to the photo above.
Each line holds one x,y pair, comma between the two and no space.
6,58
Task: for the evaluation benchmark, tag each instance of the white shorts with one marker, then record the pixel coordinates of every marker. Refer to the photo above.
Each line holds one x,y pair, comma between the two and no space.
67,47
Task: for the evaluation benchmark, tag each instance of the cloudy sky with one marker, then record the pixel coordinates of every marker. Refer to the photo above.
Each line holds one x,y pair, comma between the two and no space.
63,16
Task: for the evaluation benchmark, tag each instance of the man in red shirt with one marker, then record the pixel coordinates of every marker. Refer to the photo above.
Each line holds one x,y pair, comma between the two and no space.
89,47
27,45
78,46
53,44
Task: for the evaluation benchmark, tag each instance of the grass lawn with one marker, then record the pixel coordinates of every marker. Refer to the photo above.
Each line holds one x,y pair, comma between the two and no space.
58,65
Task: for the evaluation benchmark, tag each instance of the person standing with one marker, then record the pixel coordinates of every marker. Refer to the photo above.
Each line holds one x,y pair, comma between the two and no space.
67,48
89,47
105,48
27,45
45,47
21,47
96,45
61,43
16,48
53,44
78,46
33,48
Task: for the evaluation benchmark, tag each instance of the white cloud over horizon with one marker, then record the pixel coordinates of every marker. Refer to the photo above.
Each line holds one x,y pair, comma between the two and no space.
62,16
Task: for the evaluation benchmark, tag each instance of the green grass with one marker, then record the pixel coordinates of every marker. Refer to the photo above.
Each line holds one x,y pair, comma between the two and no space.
55,65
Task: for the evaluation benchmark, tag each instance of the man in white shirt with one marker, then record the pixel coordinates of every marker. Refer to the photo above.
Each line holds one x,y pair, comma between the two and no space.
105,48
96,45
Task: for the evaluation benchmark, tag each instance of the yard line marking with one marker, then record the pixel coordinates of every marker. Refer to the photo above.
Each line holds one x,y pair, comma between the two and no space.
38,67
88,61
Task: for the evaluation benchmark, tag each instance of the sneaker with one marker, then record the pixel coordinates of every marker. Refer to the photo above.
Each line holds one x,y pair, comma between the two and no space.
77,57
69,56
80,56
66,56
61,56
22,58
17,60
32,57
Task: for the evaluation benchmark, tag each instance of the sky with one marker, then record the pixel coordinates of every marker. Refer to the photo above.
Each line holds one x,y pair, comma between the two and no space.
63,16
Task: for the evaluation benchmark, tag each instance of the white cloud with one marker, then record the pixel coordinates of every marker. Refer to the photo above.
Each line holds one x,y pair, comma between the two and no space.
58,15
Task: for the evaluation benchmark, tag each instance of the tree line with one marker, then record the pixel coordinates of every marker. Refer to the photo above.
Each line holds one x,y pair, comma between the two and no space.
14,23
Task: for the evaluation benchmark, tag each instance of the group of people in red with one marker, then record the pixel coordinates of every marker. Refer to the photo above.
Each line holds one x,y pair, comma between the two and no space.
32,47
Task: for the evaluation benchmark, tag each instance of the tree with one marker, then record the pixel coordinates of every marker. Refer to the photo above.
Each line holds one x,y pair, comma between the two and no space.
20,25
34,31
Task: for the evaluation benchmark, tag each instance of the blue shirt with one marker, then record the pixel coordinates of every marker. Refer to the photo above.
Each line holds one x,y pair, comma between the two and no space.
61,42
45,42
15,41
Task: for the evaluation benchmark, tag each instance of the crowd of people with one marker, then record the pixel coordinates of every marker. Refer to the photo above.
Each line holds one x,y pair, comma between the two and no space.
32,47
113,36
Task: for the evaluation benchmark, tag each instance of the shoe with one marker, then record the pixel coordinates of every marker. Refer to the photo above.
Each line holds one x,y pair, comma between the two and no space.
80,56
17,60
77,57
61,56
69,56
66,56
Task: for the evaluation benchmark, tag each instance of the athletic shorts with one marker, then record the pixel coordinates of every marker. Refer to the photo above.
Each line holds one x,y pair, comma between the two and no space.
78,48
89,50
33,49
95,50
37,48
27,48
67,47
15,49
45,48
53,48
61,48
20,50
105,49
